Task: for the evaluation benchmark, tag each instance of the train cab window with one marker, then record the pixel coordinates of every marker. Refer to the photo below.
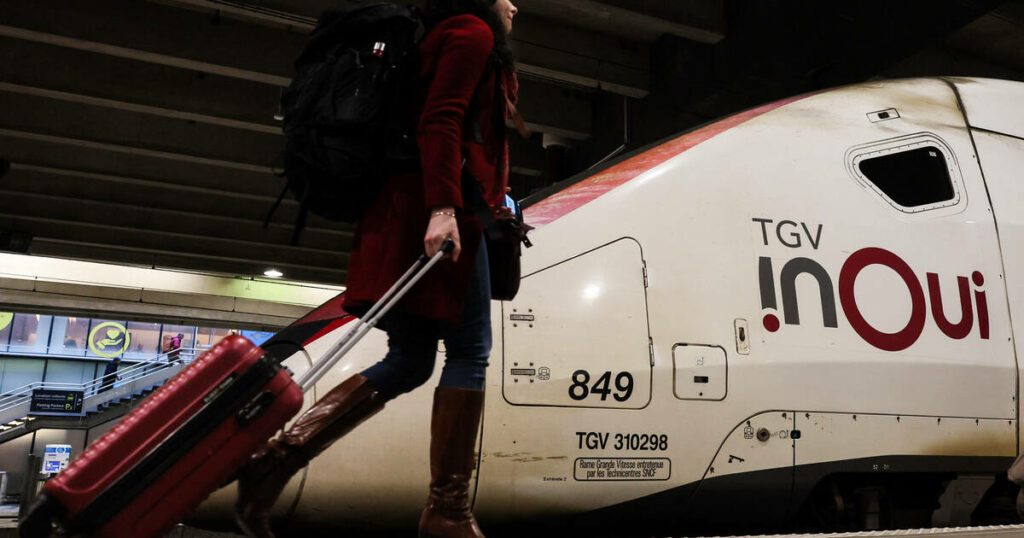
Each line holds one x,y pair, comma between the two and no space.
911,178
913,174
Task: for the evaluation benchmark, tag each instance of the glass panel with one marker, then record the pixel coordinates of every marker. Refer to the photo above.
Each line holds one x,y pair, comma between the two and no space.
30,333
68,371
208,337
17,373
69,335
204,336
145,340
6,319
911,178
108,338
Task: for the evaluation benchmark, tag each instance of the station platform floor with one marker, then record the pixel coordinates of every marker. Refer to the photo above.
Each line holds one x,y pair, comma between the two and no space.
9,527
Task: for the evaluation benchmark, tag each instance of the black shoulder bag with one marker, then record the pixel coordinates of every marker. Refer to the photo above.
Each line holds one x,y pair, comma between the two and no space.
505,233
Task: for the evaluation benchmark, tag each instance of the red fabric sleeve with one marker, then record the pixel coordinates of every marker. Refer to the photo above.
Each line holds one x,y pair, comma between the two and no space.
465,44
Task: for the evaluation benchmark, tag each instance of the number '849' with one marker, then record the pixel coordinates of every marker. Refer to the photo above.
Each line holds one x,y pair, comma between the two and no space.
581,388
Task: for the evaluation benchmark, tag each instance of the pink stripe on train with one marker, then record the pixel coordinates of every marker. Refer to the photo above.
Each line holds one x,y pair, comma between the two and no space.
578,195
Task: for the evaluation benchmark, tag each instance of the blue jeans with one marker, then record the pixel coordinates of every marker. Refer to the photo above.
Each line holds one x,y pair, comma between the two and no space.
412,342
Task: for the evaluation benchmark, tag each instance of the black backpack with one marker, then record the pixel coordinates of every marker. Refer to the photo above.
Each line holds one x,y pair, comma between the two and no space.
347,113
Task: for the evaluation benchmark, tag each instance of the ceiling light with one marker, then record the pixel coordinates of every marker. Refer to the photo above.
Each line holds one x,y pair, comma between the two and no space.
273,273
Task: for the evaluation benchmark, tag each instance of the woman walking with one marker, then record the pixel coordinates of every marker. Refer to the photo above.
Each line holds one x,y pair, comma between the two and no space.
467,89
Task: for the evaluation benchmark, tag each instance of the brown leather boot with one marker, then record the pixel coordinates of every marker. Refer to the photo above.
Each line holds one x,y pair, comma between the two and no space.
453,431
268,471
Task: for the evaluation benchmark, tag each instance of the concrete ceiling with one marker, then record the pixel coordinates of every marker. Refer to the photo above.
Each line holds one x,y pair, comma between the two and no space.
142,132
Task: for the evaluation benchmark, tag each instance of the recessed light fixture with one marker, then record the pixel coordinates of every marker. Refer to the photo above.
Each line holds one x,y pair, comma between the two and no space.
273,273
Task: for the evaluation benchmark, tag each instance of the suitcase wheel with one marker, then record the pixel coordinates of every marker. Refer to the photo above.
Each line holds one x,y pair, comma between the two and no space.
38,522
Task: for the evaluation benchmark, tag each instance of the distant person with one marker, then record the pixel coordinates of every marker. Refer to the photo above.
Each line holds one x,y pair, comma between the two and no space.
174,348
70,344
110,375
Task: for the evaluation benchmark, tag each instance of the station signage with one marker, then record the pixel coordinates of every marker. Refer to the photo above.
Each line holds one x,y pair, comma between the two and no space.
56,402
109,339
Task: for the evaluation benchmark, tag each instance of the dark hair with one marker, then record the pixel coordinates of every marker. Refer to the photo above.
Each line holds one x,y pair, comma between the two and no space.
439,10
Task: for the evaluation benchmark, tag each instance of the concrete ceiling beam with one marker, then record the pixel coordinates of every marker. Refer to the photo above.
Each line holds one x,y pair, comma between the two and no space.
996,36
133,54
62,304
555,109
137,83
159,258
125,161
205,100
160,195
571,60
614,20
699,20
239,148
526,154
184,218
160,33
141,109
292,16
256,192
546,49
105,237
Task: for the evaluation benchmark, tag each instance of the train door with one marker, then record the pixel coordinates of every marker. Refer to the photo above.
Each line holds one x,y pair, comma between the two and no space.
577,335
575,374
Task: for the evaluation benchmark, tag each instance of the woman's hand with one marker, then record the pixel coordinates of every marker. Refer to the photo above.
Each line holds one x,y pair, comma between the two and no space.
442,225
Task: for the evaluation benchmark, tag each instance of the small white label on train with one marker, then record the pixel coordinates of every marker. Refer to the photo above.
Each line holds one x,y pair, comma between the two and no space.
605,469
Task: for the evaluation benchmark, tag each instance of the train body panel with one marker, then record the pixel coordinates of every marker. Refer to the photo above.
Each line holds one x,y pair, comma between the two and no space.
734,314
771,222
998,133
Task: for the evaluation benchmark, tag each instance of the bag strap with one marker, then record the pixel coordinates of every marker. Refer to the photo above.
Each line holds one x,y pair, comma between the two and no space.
473,197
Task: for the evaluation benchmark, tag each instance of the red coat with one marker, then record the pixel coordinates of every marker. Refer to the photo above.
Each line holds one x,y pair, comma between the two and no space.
453,58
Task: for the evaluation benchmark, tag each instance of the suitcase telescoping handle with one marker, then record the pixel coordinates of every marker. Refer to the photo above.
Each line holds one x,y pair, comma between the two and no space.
373,315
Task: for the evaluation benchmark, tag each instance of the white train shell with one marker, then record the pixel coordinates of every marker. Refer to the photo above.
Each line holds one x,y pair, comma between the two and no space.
738,312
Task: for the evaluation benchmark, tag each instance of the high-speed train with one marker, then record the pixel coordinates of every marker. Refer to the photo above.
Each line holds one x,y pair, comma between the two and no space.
800,316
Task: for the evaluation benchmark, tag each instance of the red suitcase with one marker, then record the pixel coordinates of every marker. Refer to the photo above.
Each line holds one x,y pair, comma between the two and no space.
183,442
196,431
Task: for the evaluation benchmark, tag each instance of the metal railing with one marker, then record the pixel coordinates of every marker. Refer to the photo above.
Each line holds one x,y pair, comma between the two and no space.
61,352
14,404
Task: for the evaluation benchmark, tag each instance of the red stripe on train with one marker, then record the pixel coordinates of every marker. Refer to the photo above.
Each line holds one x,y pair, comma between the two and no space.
340,322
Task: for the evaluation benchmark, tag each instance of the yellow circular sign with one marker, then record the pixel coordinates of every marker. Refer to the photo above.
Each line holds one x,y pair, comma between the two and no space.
111,342
5,319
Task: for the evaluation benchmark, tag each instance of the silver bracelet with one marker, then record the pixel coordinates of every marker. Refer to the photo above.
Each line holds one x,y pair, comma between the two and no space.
449,213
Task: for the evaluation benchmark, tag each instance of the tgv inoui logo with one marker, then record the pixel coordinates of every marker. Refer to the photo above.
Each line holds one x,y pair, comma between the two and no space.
788,233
